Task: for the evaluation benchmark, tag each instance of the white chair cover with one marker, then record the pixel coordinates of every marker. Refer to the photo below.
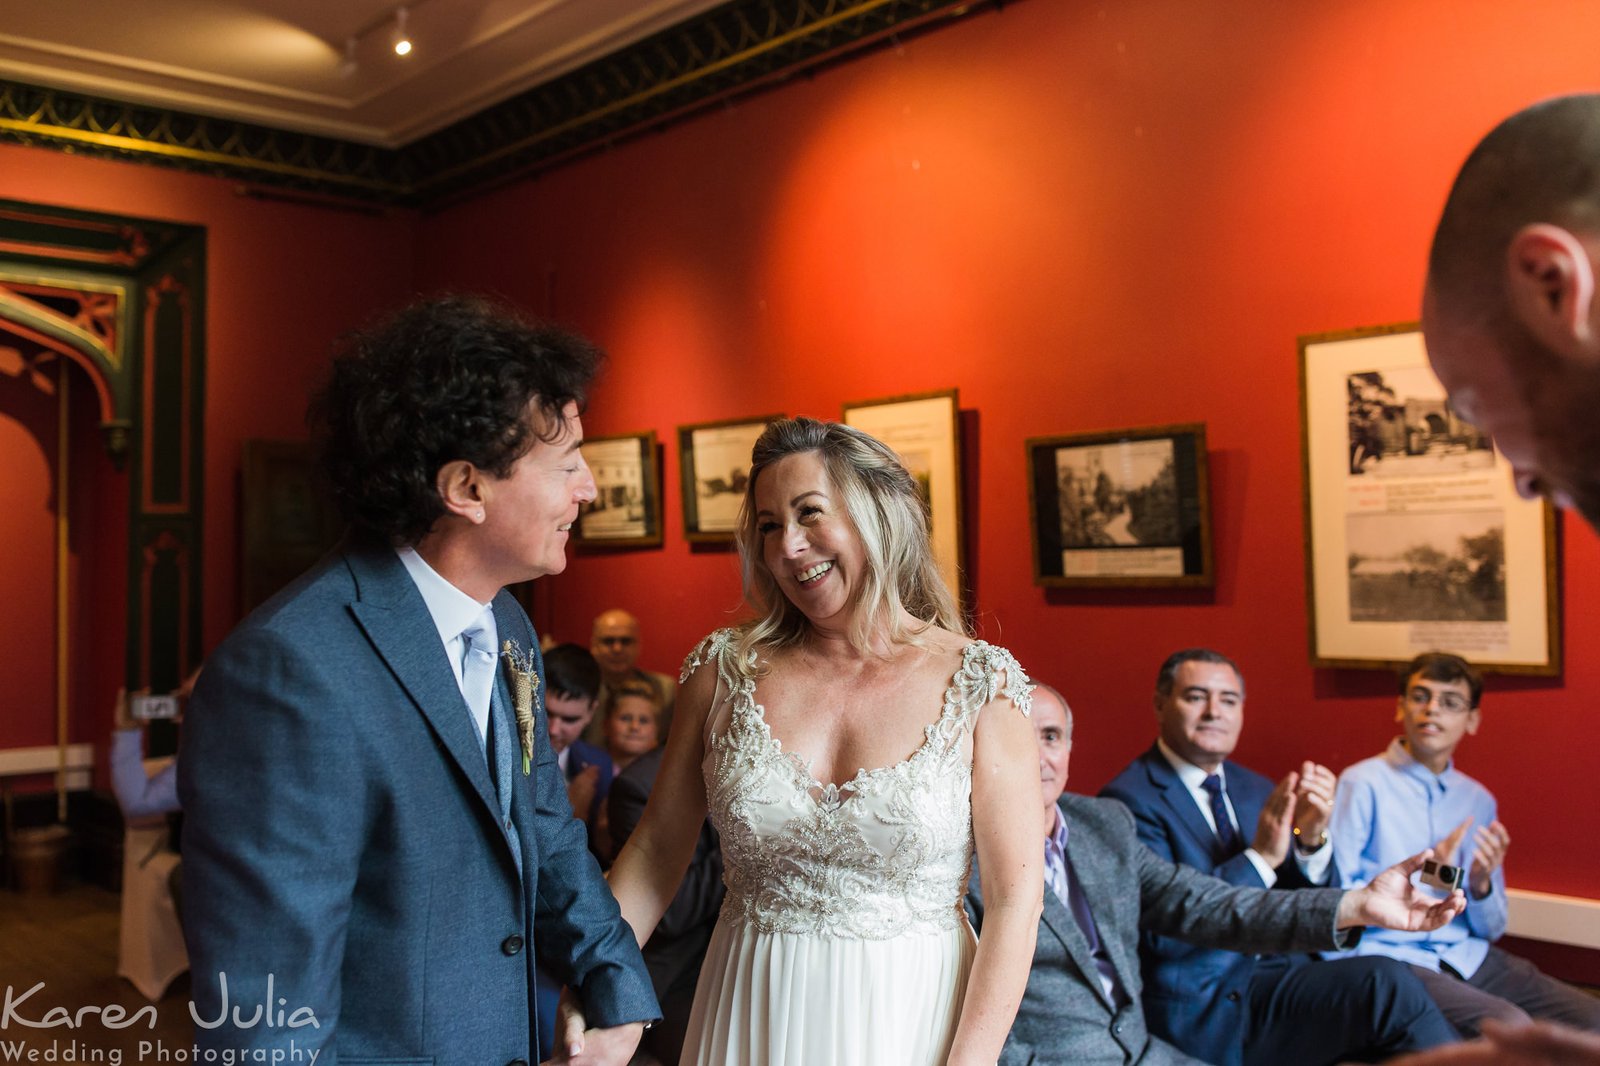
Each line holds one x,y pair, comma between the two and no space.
151,952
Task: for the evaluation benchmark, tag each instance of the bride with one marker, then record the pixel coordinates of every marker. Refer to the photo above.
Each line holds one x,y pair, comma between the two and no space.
853,745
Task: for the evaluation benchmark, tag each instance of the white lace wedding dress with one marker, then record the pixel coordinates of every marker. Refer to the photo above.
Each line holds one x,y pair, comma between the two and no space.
842,940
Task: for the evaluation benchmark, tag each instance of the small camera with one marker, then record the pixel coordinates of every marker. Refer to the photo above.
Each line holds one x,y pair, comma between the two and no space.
148,708
1442,875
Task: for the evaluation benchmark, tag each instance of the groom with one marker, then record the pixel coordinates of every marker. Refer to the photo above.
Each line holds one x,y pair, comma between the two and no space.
378,848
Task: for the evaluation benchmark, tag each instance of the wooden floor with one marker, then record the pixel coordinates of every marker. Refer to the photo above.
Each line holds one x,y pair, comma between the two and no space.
68,941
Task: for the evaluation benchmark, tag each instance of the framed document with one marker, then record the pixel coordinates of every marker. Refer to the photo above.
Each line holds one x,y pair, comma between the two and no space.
1128,507
626,510
924,429
1416,539
714,458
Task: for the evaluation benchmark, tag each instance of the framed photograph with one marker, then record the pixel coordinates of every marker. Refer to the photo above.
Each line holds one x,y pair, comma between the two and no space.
714,458
1129,508
924,429
1416,539
626,510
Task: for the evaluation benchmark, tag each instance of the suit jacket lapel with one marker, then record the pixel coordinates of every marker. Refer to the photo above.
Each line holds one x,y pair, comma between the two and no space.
1247,803
1060,921
392,613
1100,893
511,625
1178,800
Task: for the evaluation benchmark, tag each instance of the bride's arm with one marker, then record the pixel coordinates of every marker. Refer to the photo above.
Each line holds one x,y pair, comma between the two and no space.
1008,828
648,870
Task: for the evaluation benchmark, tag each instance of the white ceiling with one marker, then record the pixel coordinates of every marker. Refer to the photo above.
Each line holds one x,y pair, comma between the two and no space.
280,63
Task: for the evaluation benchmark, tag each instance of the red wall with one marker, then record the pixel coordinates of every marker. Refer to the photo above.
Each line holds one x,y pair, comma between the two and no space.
1086,217
283,281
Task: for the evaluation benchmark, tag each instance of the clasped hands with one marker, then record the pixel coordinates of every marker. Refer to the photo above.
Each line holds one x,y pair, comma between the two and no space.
580,1046
1302,801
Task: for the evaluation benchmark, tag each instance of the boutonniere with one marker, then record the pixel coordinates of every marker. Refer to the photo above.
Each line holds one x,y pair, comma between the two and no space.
524,686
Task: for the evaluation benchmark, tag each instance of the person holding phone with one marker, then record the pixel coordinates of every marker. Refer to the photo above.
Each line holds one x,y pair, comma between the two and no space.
141,794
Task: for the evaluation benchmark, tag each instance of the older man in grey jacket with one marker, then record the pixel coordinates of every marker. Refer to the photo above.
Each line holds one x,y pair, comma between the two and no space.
1082,1001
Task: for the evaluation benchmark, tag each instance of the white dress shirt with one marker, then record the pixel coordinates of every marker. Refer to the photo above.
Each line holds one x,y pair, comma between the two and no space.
453,611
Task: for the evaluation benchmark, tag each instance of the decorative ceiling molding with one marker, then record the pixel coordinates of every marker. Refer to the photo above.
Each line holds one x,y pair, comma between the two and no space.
733,49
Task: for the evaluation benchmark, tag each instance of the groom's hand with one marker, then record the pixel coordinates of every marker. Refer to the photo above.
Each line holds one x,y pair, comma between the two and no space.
580,1046
1391,901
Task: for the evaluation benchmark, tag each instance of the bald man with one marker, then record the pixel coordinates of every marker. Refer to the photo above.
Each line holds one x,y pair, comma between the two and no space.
1510,313
616,645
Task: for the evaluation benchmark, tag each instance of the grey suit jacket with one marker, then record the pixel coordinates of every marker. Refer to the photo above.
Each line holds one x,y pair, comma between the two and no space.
1064,1017
348,848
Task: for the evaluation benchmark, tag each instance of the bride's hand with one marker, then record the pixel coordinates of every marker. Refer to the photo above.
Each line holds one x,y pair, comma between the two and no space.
580,1046
568,1043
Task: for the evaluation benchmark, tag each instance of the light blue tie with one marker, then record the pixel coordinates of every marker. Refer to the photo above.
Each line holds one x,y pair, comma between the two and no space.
477,675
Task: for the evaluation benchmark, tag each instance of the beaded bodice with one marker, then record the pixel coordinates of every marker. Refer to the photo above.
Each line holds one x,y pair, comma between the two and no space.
885,853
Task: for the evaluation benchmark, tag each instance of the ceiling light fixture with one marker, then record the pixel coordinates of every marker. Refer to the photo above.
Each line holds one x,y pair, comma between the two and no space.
348,65
402,40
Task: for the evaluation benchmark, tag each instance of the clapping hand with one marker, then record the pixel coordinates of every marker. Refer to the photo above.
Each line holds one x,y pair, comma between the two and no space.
1274,829
1490,845
580,1046
1391,901
1313,802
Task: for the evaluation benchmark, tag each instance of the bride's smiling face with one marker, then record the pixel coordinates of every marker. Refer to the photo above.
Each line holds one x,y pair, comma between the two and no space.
808,542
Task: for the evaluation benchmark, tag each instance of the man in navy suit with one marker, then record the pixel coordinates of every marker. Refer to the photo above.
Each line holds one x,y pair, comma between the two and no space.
379,847
1192,806
572,693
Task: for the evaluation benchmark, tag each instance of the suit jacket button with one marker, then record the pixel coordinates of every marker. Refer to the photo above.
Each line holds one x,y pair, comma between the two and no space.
1117,1028
518,1062
1233,997
511,944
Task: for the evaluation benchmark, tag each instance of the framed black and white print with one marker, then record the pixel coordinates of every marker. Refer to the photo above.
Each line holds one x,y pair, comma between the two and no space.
714,461
1416,539
626,510
1128,507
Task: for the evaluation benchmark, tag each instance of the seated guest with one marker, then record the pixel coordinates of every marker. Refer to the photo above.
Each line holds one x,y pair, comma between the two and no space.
616,646
572,692
633,722
1082,1002
1413,796
1192,806
674,952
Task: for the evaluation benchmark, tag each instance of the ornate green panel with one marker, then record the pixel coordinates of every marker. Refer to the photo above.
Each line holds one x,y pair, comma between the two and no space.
125,300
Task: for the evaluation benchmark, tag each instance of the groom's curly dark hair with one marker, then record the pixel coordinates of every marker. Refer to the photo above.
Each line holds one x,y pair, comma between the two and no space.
447,378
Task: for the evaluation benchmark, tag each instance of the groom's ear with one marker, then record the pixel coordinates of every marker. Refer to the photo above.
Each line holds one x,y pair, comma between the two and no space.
460,487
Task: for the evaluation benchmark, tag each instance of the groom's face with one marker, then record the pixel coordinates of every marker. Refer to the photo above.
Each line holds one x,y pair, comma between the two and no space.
528,514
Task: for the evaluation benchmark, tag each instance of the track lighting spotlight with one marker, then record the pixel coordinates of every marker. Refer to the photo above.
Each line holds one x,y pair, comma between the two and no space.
402,40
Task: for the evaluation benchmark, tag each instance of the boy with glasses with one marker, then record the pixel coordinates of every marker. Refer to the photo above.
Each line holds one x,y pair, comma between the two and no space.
1412,797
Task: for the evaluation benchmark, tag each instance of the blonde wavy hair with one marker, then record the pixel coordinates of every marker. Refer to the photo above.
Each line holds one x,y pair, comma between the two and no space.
889,516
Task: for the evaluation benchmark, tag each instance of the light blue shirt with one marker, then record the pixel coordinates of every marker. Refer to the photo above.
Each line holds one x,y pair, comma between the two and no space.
452,611
140,795
1389,808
